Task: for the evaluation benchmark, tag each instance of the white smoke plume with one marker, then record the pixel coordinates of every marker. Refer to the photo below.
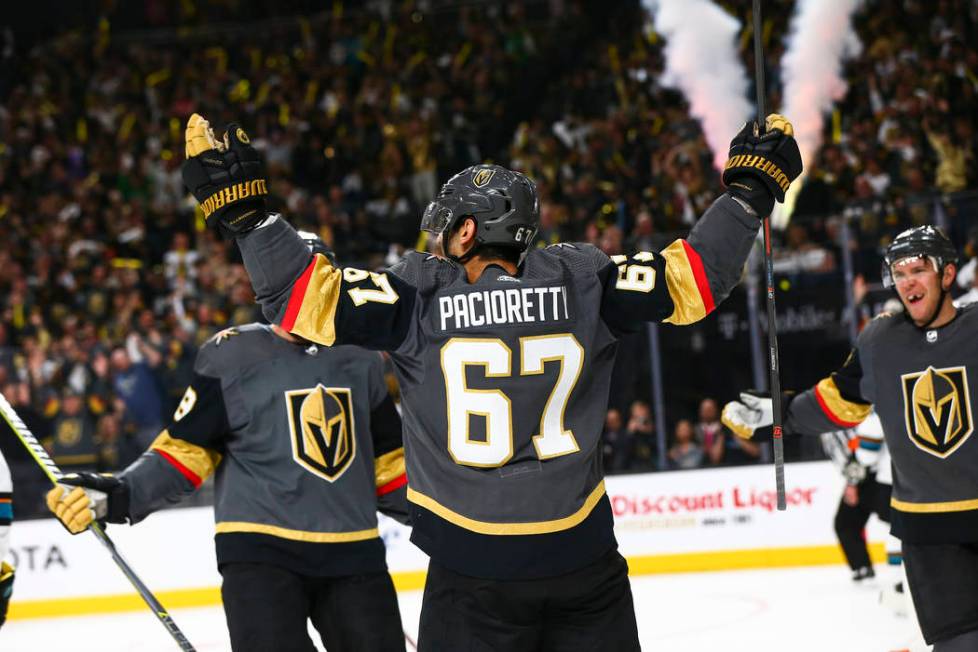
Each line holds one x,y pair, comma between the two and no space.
702,61
821,38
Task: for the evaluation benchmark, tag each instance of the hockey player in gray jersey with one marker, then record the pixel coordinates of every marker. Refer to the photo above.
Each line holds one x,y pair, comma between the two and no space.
305,445
914,369
504,356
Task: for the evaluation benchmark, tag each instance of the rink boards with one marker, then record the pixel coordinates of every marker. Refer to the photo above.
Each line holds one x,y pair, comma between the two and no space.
665,523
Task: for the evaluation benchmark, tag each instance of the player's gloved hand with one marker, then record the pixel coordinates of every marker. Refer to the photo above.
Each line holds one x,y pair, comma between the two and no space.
227,178
752,415
761,167
853,471
81,498
6,589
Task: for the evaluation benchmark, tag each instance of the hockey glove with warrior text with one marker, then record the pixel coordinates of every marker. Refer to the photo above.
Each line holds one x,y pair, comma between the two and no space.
761,167
88,497
227,178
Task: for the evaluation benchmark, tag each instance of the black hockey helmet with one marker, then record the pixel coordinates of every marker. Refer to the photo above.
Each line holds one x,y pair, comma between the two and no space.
503,203
317,246
919,242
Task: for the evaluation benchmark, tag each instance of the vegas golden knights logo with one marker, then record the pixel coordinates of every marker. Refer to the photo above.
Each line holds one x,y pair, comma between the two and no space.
482,177
322,428
937,409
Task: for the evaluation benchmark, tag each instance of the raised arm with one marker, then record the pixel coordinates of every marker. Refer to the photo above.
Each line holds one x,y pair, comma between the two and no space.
686,280
300,291
311,298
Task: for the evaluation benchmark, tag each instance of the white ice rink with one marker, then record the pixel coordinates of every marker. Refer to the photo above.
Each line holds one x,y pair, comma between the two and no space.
797,610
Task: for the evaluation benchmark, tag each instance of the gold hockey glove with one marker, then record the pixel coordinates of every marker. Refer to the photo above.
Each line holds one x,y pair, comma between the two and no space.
760,168
81,498
227,178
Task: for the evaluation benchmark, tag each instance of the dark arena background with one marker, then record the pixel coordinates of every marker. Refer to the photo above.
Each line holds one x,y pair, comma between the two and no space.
621,112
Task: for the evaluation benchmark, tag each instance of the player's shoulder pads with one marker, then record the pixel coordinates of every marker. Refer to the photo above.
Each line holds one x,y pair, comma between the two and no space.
229,348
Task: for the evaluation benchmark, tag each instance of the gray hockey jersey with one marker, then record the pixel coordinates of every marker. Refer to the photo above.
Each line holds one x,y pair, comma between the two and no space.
305,444
504,380
922,385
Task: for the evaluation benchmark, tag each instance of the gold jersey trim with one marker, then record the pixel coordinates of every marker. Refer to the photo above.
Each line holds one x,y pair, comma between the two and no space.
389,466
313,304
840,411
682,286
935,508
484,527
200,461
225,527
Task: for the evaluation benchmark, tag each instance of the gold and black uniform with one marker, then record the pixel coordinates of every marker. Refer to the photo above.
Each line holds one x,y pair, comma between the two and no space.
922,384
304,443
504,381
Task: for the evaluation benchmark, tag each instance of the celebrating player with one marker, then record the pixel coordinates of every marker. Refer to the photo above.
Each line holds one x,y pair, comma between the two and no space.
306,445
504,356
913,369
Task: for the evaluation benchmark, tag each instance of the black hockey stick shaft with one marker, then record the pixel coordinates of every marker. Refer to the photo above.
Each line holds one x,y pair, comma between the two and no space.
54,474
772,316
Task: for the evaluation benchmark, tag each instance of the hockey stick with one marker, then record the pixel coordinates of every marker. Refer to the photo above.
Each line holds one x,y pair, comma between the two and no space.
772,332
54,473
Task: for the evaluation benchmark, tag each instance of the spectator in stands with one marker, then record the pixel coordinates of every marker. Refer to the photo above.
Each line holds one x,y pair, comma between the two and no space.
685,452
617,443
136,385
641,432
73,444
729,450
800,254
180,263
708,427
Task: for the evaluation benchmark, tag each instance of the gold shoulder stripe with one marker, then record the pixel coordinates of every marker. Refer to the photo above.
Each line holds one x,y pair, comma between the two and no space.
681,282
312,305
389,466
483,527
194,462
297,535
840,411
934,508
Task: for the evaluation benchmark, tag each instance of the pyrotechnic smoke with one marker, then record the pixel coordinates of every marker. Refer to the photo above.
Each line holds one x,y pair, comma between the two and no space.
821,38
702,61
